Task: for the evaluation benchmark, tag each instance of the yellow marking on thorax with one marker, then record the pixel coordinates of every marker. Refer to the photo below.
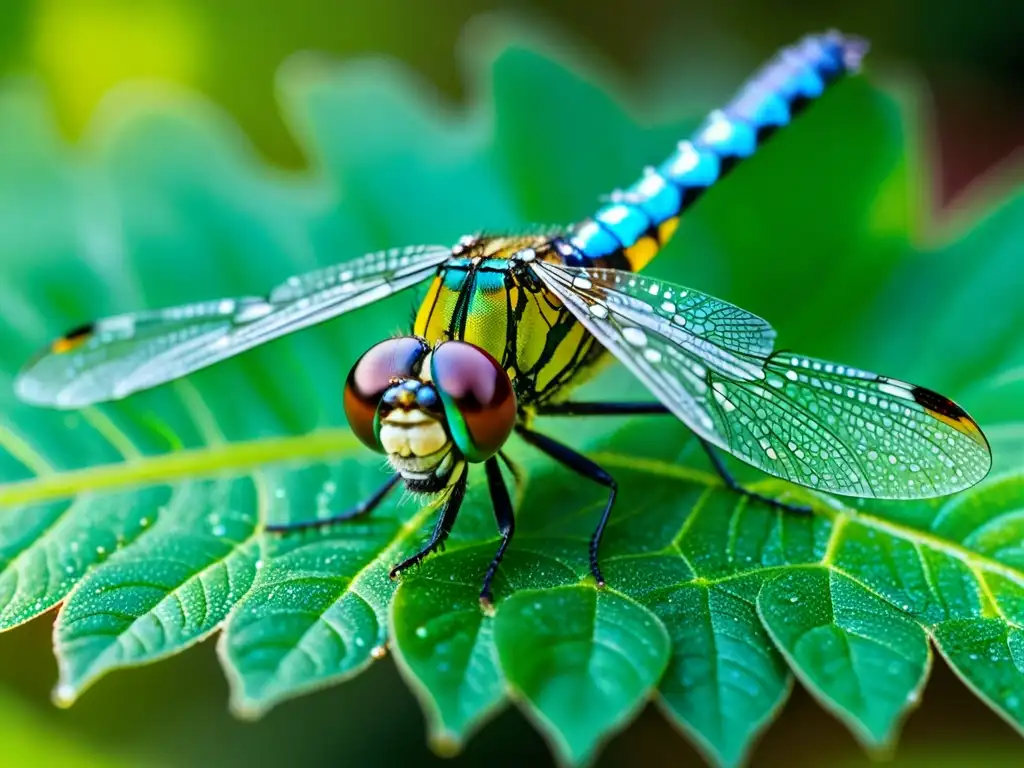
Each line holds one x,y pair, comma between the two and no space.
423,325
489,306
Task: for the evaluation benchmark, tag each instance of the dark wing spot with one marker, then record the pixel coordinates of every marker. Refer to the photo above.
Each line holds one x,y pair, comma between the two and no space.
940,404
73,338
948,412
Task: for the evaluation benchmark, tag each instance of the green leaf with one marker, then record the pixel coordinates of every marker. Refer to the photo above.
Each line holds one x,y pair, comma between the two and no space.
584,661
446,644
170,590
318,610
864,659
142,519
725,680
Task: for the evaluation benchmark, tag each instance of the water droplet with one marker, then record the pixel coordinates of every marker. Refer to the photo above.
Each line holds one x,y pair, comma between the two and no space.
794,599
421,632
101,551
258,564
64,695
219,530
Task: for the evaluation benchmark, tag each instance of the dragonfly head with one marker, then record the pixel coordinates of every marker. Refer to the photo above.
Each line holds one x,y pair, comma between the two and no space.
427,408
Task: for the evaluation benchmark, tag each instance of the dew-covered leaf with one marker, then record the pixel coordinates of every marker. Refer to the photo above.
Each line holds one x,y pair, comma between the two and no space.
864,658
582,660
143,519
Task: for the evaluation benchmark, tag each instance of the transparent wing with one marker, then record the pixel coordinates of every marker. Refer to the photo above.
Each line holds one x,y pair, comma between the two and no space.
671,337
728,338
819,424
116,356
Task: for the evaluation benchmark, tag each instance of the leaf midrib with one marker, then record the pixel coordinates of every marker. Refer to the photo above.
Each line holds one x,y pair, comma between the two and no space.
333,442
168,467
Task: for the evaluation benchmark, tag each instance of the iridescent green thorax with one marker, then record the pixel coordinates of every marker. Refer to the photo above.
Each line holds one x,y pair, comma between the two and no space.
484,297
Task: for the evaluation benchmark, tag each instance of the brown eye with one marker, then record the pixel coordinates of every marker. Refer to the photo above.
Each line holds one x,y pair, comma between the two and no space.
370,378
479,403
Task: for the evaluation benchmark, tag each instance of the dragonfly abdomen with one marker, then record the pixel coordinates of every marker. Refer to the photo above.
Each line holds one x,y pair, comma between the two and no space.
629,231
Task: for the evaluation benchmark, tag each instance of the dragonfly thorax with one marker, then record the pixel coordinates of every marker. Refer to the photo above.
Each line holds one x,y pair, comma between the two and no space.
485,295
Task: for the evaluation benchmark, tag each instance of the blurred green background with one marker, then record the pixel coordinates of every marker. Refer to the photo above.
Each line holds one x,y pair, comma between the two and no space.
173,714
970,52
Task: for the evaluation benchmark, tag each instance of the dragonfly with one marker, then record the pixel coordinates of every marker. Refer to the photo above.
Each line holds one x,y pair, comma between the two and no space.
510,325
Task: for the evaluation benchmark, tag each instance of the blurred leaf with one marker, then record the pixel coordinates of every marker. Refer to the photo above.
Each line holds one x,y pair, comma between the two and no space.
142,518
30,739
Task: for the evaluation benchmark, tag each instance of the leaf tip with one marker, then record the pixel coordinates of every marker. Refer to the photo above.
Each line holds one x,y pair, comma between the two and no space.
445,743
248,709
64,695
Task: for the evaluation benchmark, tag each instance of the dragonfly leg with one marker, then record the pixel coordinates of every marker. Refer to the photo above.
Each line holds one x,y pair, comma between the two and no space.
602,409
583,466
517,473
734,485
639,409
506,521
444,526
364,507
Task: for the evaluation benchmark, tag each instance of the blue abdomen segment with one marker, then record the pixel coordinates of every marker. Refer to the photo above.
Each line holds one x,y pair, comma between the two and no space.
630,230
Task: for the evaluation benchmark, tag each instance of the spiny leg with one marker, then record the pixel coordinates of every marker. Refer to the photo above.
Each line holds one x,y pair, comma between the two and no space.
732,484
637,409
364,507
603,409
583,466
506,521
445,521
517,473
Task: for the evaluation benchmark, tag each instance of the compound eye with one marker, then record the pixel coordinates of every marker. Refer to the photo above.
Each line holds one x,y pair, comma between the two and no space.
479,403
370,378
